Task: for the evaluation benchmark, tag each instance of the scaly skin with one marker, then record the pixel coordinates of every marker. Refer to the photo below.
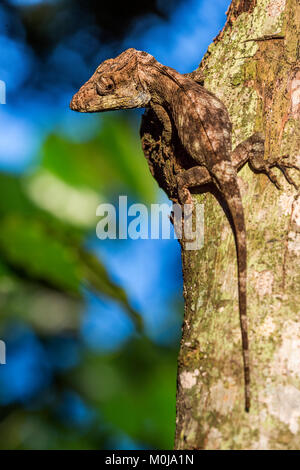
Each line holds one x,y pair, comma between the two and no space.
186,137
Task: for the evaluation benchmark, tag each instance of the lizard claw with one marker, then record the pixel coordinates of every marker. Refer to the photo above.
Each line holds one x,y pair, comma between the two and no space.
265,166
287,176
178,225
283,167
172,217
272,177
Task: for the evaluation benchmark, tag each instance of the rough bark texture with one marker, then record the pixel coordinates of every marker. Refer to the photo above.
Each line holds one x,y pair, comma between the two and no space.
259,81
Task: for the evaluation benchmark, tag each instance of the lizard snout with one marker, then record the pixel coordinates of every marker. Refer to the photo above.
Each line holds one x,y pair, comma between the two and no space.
75,103
86,100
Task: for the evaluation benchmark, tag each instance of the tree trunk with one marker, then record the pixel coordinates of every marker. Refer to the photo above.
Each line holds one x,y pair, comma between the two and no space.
253,67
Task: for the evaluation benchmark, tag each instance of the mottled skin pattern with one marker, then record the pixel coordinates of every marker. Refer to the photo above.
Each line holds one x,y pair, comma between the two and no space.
186,138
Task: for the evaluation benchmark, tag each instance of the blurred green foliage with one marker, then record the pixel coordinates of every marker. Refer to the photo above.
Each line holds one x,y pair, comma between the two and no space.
46,216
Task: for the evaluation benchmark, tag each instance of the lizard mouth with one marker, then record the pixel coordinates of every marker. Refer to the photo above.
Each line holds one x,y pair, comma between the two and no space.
81,104
76,105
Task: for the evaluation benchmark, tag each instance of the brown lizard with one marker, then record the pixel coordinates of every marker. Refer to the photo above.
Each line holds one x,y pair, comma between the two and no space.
186,137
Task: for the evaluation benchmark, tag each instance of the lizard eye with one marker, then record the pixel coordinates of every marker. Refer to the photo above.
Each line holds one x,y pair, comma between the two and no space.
105,86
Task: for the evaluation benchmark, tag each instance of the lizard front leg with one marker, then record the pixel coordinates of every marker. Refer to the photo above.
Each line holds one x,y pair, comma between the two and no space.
165,121
252,151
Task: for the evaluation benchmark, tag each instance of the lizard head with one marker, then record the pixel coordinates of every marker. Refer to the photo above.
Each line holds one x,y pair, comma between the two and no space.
114,85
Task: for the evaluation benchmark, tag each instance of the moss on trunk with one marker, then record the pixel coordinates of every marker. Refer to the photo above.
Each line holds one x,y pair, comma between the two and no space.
258,78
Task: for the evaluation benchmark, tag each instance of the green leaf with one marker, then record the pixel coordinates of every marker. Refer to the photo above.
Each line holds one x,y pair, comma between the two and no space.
135,390
29,247
35,252
111,162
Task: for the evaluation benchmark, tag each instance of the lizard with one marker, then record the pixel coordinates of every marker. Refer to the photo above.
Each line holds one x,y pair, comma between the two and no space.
186,137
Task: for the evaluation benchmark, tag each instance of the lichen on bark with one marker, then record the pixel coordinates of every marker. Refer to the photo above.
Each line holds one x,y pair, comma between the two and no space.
253,66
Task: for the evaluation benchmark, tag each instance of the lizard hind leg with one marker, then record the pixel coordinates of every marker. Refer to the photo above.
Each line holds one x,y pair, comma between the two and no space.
252,150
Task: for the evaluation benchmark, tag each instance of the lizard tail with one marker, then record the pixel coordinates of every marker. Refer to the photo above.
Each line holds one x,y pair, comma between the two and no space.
231,193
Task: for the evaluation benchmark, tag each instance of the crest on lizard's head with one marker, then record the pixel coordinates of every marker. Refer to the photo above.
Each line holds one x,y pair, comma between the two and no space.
114,85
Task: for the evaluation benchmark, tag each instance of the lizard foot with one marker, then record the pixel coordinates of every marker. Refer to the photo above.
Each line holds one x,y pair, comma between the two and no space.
184,196
265,166
182,220
193,177
178,224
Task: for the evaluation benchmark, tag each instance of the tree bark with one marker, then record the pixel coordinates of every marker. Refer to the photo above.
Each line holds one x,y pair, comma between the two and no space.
253,67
